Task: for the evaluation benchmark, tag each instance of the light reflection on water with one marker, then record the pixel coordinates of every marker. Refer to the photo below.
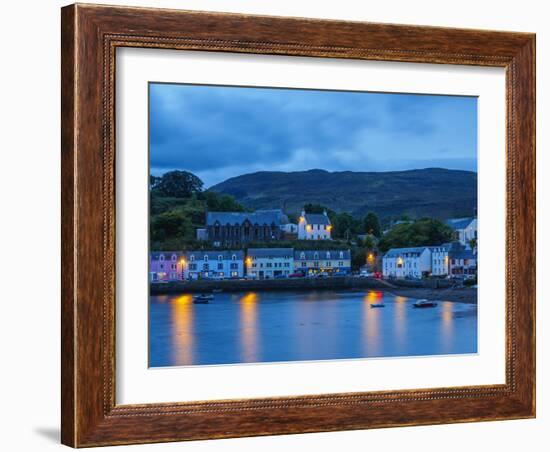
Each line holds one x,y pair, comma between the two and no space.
298,326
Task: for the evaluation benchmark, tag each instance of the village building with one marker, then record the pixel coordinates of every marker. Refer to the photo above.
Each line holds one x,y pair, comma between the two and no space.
407,262
240,228
215,264
463,263
309,262
165,266
440,260
268,263
314,226
465,230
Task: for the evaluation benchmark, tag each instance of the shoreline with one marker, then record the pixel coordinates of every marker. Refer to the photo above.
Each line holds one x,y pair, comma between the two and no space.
456,295
460,295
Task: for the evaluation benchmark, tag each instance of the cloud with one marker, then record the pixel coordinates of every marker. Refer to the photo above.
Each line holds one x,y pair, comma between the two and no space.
221,132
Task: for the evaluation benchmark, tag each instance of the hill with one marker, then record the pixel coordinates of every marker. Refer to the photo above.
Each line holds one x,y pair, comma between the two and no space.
434,192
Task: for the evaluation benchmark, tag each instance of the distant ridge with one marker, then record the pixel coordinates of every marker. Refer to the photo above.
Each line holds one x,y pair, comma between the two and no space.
435,192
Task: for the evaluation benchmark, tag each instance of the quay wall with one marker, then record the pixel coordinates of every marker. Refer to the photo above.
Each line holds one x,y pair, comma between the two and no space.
267,284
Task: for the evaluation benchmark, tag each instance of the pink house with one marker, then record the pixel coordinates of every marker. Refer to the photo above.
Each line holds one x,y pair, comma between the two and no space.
166,266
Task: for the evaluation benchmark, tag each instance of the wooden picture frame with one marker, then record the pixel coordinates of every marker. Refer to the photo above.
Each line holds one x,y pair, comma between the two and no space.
90,36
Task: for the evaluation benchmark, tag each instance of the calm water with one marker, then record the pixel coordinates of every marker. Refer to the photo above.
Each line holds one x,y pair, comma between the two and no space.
297,326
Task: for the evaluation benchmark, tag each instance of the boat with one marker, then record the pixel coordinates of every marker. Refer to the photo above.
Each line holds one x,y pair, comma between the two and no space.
377,305
425,304
202,298
217,290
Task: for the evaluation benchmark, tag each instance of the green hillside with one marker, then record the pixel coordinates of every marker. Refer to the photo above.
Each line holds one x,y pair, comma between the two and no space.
434,192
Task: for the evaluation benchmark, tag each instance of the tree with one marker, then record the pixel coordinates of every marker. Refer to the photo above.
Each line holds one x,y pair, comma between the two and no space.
369,242
317,208
344,225
221,203
371,224
170,225
178,184
423,232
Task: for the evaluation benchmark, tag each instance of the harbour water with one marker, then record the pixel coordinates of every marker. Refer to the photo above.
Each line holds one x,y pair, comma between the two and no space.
256,327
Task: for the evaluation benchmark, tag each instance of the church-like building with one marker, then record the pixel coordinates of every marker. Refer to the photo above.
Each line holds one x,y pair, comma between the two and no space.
240,228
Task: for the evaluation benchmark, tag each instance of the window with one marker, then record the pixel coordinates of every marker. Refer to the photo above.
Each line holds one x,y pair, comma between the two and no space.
304,264
174,257
161,266
268,265
329,264
234,274
316,256
205,258
316,264
234,266
220,266
220,257
205,267
192,258
340,264
161,257
173,266
192,266
233,258
302,255
287,264
341,254
328,254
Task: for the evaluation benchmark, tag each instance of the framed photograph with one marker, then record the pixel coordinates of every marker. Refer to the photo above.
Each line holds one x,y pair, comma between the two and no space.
280,225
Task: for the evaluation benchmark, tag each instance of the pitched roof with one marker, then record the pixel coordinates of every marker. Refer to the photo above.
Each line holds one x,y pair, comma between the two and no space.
260,217
213,254
459,223
317,218
463,254
155,255
270,252
396,252
322,254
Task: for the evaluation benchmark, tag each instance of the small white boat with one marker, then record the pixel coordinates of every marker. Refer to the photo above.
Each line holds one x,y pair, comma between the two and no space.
203,298
425,304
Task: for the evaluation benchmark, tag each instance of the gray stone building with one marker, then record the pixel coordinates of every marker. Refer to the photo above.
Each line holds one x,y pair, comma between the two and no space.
240,228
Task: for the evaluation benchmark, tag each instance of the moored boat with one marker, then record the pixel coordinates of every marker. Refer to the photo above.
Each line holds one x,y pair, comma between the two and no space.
425,304
377,305
202,298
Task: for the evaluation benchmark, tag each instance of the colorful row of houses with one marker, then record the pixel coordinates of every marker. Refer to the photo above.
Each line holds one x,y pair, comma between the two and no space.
257,263
450,259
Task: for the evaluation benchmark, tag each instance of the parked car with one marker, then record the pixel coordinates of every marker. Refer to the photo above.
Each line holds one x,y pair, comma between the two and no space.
296,275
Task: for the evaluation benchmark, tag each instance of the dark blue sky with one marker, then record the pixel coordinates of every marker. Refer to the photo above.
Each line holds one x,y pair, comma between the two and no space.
221,132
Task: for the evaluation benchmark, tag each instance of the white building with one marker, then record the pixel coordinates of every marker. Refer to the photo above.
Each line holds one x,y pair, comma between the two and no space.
314,226
465,229
213,264
440,260
308,262
268,263
407,262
